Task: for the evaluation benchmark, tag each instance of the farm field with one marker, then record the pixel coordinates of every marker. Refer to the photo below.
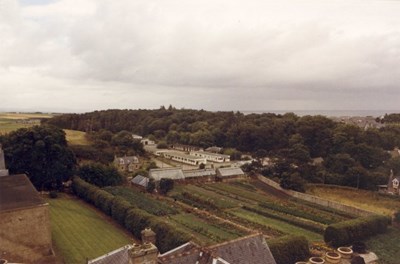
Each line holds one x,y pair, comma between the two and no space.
81,232
244,203
205,230
13,121
367,200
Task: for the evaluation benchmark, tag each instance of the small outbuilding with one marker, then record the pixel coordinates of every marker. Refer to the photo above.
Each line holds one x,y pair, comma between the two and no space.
140,181
166,173
226,174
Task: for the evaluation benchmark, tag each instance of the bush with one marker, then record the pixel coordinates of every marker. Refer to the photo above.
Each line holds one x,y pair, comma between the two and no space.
132,218
100,175
104,201
119,209
315,227
166,185
347,232
289,249
396,217
53,194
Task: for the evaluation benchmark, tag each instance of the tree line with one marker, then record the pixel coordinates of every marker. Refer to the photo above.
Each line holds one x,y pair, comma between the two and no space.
351,156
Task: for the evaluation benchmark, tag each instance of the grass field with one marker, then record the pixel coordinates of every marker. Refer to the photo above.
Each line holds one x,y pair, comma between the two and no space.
13,121
80,232
75,137
367,200
16,116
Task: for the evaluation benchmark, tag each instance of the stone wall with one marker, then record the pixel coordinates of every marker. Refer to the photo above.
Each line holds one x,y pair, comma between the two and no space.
25,234
316,200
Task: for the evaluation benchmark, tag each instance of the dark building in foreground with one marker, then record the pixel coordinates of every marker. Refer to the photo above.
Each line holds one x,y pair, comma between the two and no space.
25,234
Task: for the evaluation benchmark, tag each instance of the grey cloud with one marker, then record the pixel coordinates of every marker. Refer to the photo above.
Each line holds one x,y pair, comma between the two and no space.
215,55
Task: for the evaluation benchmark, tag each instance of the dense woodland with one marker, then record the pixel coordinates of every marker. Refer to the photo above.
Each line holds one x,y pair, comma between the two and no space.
352,156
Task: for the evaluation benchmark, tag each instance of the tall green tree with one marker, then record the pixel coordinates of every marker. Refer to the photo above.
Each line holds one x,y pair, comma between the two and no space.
100,175
42,153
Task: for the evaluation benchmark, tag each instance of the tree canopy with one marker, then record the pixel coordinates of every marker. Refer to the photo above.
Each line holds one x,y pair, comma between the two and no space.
291,141
100,174
41,152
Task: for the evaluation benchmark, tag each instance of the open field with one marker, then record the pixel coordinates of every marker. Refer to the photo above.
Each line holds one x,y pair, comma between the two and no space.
367,200
18,116
13,121
75,137
81,232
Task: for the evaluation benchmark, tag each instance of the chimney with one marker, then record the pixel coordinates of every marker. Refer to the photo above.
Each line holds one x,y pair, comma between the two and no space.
3,170
148,236
143,254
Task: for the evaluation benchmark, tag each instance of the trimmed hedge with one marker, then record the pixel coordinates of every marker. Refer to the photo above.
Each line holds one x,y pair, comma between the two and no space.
132,218
314,227
346,232
288,209
289,249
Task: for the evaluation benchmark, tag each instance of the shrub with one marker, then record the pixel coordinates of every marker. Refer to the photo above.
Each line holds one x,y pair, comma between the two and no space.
166,185
289,249
53,194
100,175
346,232
315,227
396,217
132,218
104,201
119,209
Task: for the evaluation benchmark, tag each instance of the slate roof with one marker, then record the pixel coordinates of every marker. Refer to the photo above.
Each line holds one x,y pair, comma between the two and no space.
185,254
227,172
199,173
166,173
182,155
140,180
209,154
118,256
214,149
252,249
17,192
127,159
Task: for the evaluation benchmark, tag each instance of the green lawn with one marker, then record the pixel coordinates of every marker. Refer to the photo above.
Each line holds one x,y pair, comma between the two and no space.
80,232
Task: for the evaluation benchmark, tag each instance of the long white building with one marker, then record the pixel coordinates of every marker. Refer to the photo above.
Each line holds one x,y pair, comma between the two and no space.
183,158
214,157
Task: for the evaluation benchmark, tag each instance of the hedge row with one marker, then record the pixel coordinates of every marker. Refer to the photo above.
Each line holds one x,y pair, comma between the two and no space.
142,201
347,232
289,249
132,218
299,213
314,227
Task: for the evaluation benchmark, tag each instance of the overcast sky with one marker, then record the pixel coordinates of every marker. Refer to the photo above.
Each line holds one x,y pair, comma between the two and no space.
82,55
